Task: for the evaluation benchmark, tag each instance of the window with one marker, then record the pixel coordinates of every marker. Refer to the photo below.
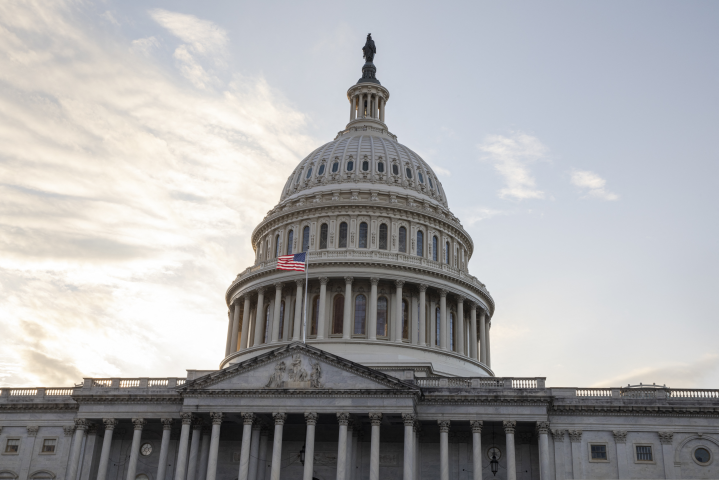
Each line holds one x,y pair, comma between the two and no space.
644,453
438,325
145,449
702,456
299,175
309,173
446,253
383,236
430,182
335,167
267,325
382,317
289,242
277,246
363,235
395,169
282,319
408,171
402,239
350,166
380,167
451,331
315,314
305,239
598,453
421,178
12,445
365,166
420,243
434,248
343,235
405,320
323,236
321,171
360,314
338,314
48,445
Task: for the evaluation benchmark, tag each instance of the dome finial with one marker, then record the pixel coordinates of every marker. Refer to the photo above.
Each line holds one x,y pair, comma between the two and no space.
368,70
369,49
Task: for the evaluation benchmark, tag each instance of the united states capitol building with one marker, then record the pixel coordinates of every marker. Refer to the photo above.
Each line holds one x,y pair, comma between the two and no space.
391,376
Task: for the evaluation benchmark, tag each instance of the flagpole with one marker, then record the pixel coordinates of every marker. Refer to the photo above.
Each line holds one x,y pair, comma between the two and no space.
304,321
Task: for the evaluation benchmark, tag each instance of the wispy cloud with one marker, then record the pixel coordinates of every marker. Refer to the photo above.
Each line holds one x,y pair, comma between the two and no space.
478,214
679,375
592,184
127,196
511,157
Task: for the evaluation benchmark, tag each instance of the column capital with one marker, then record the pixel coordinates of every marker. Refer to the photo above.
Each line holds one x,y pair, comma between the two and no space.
216,418
279,285
311,418
374,280
166,423
248,418
279,418
349,280
423,287
32,430
186,418
558,435
620,436
398,283
197,423
138,423
461,299
443,293
476,425
575,435
443,425
68,429
81,424
509,426
324,280
257,426
343,418
543,428
408,419
300,283
665,438
110,423
417,427
260,290
206,431
375,418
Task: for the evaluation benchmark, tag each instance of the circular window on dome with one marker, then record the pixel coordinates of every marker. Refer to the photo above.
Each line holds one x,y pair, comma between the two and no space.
309,173
380,167
409,172
335,167
494,451
702,456
365,166
421,178
146,449
321,171
350,166
395,169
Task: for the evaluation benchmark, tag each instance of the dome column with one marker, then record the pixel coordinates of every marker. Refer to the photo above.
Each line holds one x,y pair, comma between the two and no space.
353,107
473,331
460,325
399,316
276,316
381,109
443,330
422,312
258,316
321,314
235,326
245,323
372,332
489,355
297,327
483,337
346,320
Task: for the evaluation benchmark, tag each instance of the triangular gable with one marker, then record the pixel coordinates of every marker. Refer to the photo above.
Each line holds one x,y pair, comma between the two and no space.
297,366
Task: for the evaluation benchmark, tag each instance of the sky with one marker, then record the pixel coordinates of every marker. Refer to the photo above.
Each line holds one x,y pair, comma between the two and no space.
142,141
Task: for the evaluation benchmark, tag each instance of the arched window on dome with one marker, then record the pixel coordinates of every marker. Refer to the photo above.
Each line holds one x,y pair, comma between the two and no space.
350,165
323,236
395,169
421,178
315,315
290,239
277,246
382,317
360,314
437,326
321,170
267,325
383,236
446,253
299,176
338,314
402,239
435,246
420,243
365,166
451,331
305,238
309,173
430,182
408,171
282,320
335,167
380,167
363,235
405,320
343,235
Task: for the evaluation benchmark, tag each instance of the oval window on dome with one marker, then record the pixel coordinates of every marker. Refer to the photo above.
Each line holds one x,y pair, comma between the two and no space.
421,178
309,173
408,171
365,166
395,169
430,182
350,166
380,167
297,180
321,171
335,167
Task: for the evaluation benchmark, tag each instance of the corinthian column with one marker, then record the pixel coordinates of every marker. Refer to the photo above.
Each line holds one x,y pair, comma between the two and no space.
260,317
343,419
138,424
443,449
543,431
443,330
235,327
297,330
255,449
347,320
214,446
311,419
460,325
477,449
422,315
408,465
511,461
276,316
473,331
181,462
247,419
372,331
245,323
164,448
110,424
277,445
399,320
194,449
80,429
376,420
321,314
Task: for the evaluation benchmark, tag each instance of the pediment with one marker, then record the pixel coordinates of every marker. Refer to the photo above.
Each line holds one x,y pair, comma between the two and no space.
297,367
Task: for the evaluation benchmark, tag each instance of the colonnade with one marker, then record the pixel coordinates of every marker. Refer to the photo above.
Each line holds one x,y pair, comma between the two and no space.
249,327
197,458
367,105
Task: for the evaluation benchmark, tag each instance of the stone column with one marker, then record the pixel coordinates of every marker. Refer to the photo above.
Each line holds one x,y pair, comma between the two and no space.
355,439
28,448
543,431
321,315
460,325
376,420
408,464
666,439
214,446
181,462
194,449
235,326
343,419
228,345
80,428
262,467
422,315
276,317
352,108
164,448
443,329
350,434
247,419
245,323
347,320
558,436
509,426
620,442
297,328
277,445
575,436
416,453
473,331
260,316
255,450
443,449
311,419
482,337
477,449
398,326
110,424
372,332
204,454
137,424
381,112
489,353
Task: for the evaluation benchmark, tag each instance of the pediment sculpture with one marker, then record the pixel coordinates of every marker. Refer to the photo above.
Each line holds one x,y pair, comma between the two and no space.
297,375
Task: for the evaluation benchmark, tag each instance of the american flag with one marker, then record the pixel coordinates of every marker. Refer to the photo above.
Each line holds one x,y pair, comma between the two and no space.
292,262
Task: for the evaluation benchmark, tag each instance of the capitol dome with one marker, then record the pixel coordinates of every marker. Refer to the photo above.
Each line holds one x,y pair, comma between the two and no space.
388,284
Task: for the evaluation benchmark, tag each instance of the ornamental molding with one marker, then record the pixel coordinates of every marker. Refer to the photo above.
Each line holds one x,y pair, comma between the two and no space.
33,407
635,411
480,399
620,436
575,436
129,399
666,438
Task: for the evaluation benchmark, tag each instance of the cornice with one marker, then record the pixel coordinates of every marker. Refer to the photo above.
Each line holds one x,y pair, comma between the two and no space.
47,407
429,399
634,410
285,393
109,398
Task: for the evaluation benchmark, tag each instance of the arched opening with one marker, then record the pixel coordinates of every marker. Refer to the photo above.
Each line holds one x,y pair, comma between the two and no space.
323,236
309,173
382,317
380,167
290,239
305,238
402,239
338,314
335,167
343,235
434,248
446,253
360,314
277,246
350,166
420,243
363,235
383,236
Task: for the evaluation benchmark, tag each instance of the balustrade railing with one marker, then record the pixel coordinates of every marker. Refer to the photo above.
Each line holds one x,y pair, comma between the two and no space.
686,393
524,383
58,392
481,382
23,392
593,392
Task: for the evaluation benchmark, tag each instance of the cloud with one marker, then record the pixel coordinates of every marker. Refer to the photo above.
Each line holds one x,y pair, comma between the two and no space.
682,375
511,157
145,45
127,196
478,214
593,185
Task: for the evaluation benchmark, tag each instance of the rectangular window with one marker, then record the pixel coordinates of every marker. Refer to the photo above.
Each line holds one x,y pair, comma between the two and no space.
12,445
599,452
644,453
48,445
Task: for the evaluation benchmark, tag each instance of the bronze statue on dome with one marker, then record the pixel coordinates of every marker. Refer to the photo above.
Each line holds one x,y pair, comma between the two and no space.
369,49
